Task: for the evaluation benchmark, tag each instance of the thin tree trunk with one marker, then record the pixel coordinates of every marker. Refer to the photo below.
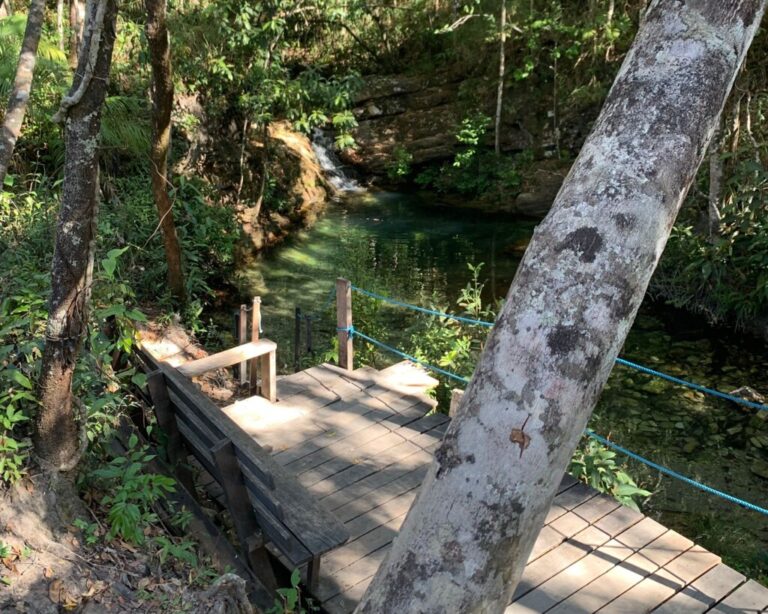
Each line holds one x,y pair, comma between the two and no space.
500,89
22,84
466,539
76,19
162,105
60,23
58,431
715,185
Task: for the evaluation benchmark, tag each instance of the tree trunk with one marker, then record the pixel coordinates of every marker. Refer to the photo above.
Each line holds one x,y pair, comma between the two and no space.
162,105
500,89
22,84
76,19
5,9
60,23
57,434
466,539
715,185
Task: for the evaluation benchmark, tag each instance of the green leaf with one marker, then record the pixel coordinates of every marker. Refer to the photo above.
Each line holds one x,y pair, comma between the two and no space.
627,490
135,315
21,379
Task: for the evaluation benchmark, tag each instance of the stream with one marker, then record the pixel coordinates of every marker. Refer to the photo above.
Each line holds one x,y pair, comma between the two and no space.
416,249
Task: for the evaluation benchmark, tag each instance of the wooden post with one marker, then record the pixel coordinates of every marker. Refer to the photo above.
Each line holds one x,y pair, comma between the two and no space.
240,509
255,324
344,322
296,338
242,328
255,318
166,420
269,376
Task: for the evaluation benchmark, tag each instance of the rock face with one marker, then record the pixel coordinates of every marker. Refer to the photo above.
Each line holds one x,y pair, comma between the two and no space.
304,189
417,114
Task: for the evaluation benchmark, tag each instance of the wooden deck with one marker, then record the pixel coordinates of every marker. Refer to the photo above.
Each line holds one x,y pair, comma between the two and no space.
361,442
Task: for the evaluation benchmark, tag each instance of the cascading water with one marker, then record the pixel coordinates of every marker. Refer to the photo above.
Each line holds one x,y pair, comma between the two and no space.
323,146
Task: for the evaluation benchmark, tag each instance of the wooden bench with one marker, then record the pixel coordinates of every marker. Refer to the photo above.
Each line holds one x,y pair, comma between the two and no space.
267,504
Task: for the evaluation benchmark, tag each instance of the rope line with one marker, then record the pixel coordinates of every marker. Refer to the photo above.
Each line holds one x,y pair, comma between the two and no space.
692,385
660,468
621,361
678,476
356,333
431,312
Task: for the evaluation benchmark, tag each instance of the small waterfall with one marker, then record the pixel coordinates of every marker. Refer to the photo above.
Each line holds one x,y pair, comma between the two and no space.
324,148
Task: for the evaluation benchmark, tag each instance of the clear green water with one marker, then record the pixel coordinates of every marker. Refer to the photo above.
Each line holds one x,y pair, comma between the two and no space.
417,250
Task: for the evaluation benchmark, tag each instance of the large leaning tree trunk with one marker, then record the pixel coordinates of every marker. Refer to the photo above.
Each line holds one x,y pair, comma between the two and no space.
467,537
162,105
22,85
58,429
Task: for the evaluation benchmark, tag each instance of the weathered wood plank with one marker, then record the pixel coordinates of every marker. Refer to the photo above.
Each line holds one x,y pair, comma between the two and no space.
227,358
749,597
573,577
361,488
351,552
708,590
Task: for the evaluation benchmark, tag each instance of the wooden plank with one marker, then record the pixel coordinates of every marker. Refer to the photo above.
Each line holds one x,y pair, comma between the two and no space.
353,551
597,507
619,520
317,530
353,455
646,594
246,525
334,381
568,524
227,358
381,514
378,497
571,578
344,580
608,587
345,446
364,411
749,597
361,488
628,569
691,564
708,590
268,369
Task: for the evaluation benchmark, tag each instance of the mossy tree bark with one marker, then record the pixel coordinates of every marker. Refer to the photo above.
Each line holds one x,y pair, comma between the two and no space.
162,105
468,536
22,85
58,430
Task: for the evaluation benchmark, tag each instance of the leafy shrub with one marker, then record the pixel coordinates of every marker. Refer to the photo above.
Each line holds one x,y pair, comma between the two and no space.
133,492
595,465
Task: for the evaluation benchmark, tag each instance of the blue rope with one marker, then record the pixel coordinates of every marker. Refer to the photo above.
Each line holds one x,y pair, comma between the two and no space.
676,475
356,333
621,361
430,312
665,470
691,385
